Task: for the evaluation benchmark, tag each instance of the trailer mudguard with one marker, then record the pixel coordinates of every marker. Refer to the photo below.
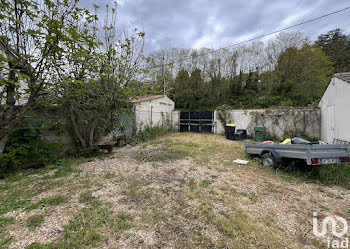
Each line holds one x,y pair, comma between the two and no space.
274,153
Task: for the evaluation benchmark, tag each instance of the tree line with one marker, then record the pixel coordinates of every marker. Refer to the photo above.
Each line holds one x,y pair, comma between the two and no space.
289,70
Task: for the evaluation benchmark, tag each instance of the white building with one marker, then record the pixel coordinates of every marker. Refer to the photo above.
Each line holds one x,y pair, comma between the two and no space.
335,109
157,110
22,89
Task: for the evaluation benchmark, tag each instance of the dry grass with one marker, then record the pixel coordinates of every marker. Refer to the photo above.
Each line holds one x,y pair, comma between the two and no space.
178,191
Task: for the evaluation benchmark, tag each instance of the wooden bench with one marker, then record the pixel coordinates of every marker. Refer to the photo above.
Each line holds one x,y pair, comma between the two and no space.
108,145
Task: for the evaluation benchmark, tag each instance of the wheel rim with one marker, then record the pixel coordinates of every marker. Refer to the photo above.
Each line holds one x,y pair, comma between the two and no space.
268,162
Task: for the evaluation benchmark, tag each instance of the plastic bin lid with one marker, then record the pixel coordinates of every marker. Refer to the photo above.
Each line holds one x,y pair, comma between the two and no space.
231,125
259,128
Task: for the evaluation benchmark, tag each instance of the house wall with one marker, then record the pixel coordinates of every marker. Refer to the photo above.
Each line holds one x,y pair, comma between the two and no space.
156,112
280,122
337,95
22,93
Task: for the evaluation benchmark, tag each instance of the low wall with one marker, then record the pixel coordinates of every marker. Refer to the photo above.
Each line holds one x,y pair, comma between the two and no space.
280,122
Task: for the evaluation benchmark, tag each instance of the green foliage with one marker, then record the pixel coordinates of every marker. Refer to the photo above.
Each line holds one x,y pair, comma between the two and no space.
336,45
224,114
26,145
303,75
147,134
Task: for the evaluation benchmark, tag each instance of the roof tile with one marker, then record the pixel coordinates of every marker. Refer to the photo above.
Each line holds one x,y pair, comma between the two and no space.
146,98
343,76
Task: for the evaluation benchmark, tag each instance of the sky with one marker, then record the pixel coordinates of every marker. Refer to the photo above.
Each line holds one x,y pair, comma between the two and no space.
219,23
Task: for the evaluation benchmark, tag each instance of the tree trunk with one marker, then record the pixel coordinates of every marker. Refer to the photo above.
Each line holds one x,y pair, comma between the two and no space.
91,133
3,143
7,124
76,130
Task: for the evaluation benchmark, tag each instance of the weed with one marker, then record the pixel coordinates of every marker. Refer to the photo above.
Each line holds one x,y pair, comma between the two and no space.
82,234
123,221
50,201
160,217
5,241
323,208
159,155
269,220
330,174
13,202
206,183
109,175
192,185
6,220
347,212
34,222
65,167
86,198
147,134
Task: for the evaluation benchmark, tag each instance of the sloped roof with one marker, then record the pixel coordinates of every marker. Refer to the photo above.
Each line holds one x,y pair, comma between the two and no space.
343,76
147,98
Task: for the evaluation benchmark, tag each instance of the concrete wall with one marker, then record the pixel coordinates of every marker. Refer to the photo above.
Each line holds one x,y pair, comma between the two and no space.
155,112
337,95
280,122
175,120
65,140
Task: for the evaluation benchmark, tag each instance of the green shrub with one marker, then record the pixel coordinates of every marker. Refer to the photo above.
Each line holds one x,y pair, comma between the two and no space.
26,145
148,134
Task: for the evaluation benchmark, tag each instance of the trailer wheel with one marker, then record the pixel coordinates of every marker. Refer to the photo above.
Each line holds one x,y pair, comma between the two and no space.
269,161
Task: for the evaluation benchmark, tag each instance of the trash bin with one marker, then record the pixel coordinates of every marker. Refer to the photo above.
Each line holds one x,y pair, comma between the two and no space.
230,131
241,134
260,133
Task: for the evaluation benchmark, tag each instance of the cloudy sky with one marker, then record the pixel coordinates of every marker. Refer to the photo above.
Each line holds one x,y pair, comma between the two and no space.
218,23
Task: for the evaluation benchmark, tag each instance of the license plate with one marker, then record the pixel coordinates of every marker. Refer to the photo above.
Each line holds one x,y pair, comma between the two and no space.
329,161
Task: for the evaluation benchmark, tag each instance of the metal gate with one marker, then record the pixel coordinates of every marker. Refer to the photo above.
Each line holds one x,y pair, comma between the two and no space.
196,121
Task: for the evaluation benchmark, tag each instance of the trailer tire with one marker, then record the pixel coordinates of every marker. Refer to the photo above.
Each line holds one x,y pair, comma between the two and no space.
268,160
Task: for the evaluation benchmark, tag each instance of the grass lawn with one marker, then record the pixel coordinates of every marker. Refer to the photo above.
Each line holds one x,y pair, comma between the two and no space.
181,190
